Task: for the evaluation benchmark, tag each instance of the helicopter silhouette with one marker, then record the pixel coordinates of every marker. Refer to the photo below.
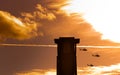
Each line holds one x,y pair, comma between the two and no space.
84,49
95,55
91,65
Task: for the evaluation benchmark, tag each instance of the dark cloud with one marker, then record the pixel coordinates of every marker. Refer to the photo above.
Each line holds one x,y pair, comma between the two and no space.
39,14
24,27
16,7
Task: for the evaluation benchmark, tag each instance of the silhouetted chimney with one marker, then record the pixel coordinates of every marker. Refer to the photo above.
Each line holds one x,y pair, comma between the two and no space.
66,56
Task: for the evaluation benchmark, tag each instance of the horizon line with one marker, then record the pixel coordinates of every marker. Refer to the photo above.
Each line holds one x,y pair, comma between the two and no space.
54,46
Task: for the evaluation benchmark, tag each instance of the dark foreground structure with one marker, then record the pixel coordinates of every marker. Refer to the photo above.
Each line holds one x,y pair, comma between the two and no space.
66,56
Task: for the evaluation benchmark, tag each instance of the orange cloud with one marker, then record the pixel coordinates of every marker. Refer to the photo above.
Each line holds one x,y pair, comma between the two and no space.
101,70
24,27
97,70
13,27
39,72
39,13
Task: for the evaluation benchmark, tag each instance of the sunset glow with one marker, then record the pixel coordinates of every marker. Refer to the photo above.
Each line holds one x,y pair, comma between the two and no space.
82,35
103,15
18,22
50,73
97,70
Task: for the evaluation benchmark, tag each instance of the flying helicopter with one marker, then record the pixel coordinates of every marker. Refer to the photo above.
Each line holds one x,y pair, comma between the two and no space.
91,65
84,49
95,55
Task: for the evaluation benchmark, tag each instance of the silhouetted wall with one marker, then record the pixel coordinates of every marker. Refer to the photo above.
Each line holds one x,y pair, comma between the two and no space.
66,56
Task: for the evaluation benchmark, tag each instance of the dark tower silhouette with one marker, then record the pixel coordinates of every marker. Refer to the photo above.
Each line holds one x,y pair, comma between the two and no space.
66,56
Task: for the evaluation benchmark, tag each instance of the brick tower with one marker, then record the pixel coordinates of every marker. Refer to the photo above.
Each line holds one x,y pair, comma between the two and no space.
66,55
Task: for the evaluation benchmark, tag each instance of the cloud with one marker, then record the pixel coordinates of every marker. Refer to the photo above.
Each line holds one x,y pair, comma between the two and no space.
39,72
101,70
15,28
97,70
24,27
74,26
62,24
49,15
40,13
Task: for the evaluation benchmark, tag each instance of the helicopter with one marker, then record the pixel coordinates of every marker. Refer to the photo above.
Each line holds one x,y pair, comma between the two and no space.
96,55
84,49
91,65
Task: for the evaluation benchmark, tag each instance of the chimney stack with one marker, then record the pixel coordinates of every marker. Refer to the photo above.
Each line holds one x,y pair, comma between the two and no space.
66,55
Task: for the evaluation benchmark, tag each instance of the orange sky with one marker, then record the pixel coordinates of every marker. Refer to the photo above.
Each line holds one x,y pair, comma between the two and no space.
40,22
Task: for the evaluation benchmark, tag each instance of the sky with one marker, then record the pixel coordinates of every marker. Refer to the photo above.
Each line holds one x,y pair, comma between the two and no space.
39,22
